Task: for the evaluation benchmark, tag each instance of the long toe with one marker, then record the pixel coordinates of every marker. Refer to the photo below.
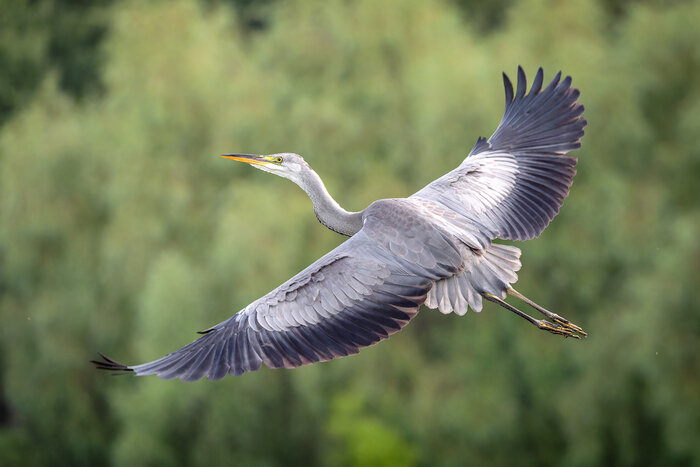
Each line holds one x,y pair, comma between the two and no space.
569,325
557,329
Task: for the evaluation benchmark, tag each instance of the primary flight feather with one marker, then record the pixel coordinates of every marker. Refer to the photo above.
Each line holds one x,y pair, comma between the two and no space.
433,248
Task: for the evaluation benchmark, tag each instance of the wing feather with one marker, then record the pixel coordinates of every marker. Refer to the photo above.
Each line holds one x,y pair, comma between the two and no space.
513,184
356,295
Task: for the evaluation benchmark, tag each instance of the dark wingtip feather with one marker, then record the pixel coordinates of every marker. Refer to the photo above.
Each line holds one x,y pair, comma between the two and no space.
522,83
108,364
537,83
509,89
567,82
556,79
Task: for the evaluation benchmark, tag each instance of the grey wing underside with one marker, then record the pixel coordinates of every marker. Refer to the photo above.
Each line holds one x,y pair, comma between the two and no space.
513,184
361,292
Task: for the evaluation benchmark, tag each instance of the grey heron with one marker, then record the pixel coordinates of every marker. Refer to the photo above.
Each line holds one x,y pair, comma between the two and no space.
434,248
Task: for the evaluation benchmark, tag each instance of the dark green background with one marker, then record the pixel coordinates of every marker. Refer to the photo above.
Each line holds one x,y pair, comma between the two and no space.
121,230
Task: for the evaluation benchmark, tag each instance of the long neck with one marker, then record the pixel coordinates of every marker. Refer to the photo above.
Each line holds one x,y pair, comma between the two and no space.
328,211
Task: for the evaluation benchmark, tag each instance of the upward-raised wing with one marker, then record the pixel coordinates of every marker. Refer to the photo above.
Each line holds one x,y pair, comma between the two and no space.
514,183
366,289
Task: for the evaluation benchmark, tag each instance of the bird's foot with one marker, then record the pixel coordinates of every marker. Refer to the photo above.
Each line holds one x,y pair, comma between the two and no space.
558,329
574,330
569,325
561,326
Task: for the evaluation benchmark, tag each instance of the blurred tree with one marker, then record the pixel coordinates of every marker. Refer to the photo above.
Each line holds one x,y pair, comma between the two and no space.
252,15
42,36
484,15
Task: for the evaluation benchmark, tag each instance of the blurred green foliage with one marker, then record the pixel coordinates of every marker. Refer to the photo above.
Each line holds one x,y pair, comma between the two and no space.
38,37
121,231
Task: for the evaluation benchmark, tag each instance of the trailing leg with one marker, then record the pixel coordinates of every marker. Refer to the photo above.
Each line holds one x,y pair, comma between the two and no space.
541,324
553,316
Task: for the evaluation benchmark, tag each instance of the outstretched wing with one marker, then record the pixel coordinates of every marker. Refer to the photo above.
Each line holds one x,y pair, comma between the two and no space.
363,291
514,183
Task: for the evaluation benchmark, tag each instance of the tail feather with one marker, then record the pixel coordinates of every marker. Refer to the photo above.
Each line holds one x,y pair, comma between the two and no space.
489,271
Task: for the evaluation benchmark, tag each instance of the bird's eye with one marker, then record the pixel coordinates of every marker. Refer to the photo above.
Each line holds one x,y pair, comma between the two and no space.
278,160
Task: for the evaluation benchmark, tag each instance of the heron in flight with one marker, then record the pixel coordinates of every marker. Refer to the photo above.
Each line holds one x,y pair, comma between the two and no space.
434,248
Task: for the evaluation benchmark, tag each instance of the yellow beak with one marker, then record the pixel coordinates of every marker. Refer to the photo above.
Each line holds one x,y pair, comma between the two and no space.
248,158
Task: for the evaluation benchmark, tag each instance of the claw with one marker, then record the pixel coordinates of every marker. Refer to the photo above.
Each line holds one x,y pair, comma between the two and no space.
557,329
569,325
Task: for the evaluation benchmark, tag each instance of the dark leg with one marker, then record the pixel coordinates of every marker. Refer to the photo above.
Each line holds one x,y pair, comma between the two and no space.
542,324
553,316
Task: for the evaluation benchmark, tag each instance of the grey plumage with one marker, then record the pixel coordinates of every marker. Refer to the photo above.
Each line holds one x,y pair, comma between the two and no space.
433,248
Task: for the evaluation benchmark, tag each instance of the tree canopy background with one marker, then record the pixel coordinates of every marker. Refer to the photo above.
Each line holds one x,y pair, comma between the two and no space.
121,230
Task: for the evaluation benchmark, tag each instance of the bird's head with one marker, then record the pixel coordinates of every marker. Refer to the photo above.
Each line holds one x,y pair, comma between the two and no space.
287,164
